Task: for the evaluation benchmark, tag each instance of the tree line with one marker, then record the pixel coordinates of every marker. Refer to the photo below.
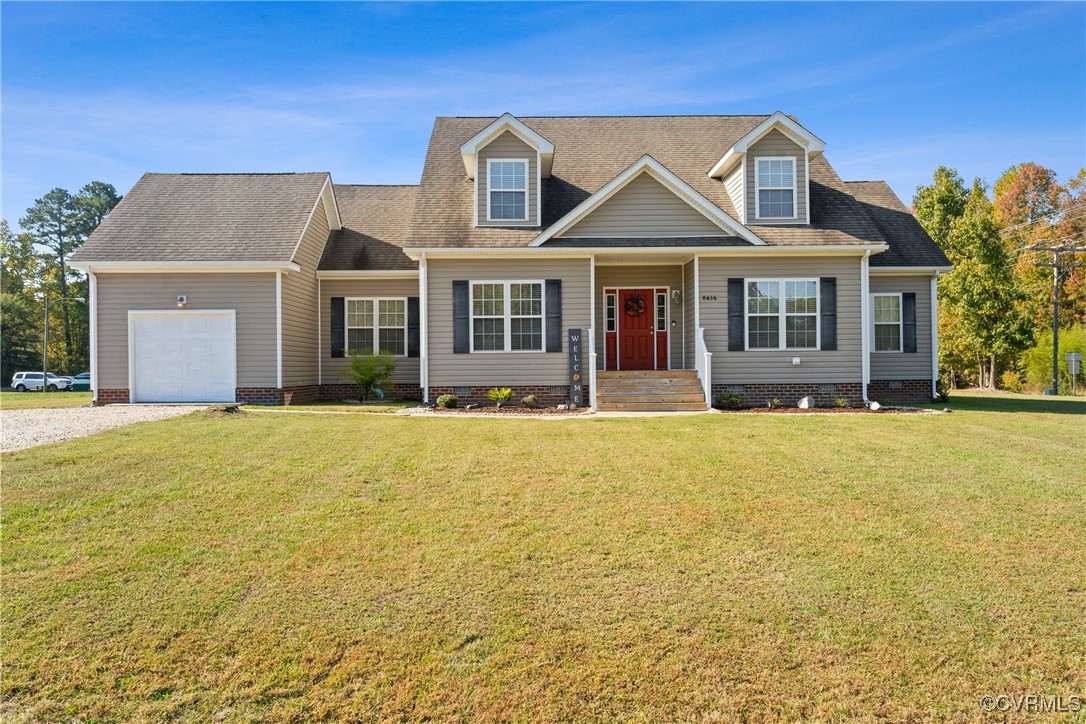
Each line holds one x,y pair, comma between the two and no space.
995,306
34,266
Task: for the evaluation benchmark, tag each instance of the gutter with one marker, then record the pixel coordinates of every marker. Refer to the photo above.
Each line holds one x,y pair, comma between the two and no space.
589,251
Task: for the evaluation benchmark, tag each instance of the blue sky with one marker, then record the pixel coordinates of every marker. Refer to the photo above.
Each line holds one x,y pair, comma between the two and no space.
107,91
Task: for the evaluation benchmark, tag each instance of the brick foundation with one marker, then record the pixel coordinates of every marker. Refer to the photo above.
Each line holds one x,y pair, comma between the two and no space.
397,391
244,395
900,390
111,397
478,394
789,393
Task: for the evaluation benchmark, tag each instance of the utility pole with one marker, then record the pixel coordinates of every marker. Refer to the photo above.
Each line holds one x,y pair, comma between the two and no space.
1059,268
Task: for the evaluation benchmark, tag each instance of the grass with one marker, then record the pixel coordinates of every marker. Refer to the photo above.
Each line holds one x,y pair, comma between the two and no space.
37,400
269,566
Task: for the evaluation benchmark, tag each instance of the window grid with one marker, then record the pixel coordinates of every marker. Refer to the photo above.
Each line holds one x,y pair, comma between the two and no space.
766,316
661,312
507,190
611,319
776,188
383,332
886,315
498,326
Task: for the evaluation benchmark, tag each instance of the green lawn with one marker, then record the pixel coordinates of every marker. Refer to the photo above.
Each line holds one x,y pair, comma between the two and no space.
29,400
382,407
272,566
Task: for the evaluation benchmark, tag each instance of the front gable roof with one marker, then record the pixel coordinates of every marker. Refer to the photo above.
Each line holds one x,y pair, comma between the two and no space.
507,123
653,168
789,127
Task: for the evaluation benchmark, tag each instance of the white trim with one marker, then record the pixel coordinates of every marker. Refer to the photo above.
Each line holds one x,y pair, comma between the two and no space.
782,314
475,186
811,143
320,334
746,204
592,307
333,224
507,122
900,322
490,176
865,335
697,296
538,192
440,252
935,335
171,267
368,274
376,327
93,293
647,164
906,270
806,190
508,316
424,329
758,188
132,347
682,277
279,329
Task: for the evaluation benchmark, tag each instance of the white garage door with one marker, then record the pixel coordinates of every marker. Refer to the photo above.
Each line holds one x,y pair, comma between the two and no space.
182,356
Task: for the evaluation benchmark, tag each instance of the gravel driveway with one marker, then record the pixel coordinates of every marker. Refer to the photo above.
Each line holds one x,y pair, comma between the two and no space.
26,428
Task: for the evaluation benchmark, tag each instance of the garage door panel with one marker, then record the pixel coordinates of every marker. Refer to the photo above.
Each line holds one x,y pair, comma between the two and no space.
186,356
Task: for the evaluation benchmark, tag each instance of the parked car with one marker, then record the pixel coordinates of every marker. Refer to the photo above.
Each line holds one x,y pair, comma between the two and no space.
81,382
27,381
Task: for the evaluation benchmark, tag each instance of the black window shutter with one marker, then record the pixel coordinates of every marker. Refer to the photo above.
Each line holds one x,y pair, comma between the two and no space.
461,323
827,310
736,322
338,326
908,321
412,326
554,315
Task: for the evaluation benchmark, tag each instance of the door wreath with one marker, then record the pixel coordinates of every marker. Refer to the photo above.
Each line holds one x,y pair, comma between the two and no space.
635,306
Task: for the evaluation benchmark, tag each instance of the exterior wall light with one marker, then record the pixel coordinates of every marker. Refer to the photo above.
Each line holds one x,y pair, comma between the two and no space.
182,300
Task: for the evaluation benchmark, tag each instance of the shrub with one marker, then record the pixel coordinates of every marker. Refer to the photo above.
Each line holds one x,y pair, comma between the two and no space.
841,402
727,401
530,401
499,395
775,402
369,371
448,401
1011,381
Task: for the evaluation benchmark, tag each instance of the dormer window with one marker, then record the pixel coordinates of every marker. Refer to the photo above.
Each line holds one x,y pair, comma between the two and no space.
507,189
776,198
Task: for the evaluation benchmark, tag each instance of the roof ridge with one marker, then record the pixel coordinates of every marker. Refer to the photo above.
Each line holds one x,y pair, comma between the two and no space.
649,115
370,186
237,173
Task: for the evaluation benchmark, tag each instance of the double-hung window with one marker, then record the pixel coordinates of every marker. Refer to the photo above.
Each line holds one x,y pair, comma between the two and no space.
507,316
507,189
776,193
886,312
376,326
768,315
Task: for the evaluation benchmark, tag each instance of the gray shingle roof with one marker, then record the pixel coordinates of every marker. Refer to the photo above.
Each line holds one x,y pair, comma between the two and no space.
375,223
910,245
590,151
680,241
207,217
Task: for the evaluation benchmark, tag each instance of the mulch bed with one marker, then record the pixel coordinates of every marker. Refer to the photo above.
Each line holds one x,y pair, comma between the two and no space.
510,410
828,410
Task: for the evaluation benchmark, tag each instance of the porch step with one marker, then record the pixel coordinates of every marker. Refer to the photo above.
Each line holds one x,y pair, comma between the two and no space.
649,391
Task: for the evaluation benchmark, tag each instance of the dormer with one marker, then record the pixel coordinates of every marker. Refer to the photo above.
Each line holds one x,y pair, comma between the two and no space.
507,161
766,172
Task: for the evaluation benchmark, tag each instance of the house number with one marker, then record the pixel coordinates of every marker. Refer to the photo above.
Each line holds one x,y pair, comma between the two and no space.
708,297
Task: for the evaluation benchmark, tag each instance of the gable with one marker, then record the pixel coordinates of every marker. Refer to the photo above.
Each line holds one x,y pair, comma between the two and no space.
507,146
644,208
775,144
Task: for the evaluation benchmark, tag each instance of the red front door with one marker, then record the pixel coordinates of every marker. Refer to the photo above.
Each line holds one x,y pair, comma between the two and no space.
636,320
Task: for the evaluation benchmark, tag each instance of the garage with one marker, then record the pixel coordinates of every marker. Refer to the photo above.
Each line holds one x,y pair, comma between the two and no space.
182,355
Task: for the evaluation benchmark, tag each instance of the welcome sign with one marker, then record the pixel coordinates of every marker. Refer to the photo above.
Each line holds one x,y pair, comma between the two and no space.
576,381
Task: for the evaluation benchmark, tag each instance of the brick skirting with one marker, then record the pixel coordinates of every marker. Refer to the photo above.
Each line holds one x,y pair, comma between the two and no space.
900,390
249,395
789,393
467,395
111,397
397,391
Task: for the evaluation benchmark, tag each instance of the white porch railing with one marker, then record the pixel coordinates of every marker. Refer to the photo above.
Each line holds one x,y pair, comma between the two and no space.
592,368
703,361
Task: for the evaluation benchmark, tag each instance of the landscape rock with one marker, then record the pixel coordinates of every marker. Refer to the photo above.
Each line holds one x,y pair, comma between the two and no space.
874,406
806,403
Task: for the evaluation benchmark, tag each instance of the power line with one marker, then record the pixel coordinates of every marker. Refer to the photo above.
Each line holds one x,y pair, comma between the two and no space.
1059,268
1039,219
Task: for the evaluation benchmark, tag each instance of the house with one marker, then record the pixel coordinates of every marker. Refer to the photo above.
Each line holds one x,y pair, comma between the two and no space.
626,262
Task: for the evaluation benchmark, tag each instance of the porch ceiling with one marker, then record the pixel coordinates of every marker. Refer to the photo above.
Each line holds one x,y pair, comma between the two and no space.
662,257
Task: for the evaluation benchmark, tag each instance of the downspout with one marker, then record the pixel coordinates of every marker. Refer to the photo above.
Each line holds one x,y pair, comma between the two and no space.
320,337
279,329
934,335
592,333
865,349
93,334
424,327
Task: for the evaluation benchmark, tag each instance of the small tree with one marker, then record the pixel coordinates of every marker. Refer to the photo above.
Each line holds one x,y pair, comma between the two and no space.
369,371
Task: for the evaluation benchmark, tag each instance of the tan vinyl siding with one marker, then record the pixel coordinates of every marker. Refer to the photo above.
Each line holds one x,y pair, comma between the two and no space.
644,208
299,301
407,368
690,338
503,368
776,143
770,366
643,277
251,295
508,145
902,365
733,183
